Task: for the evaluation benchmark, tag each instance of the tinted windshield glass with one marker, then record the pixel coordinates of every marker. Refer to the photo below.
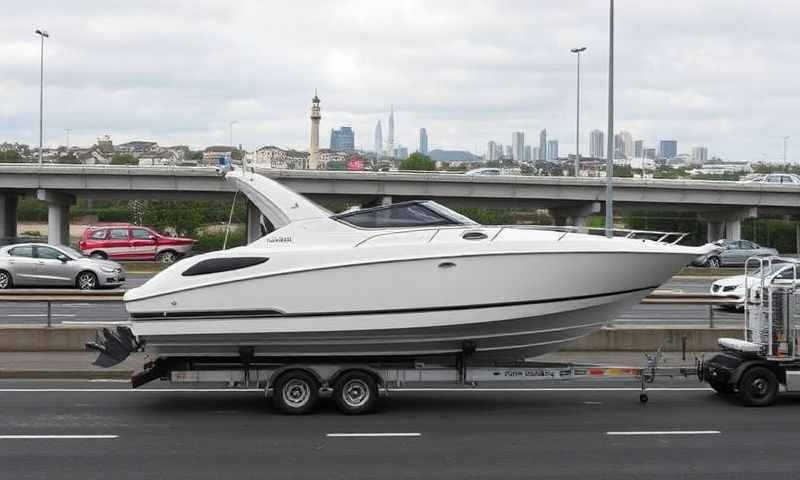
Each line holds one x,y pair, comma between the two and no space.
407,214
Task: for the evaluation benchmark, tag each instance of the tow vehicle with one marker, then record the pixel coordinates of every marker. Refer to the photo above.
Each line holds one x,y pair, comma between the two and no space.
767,360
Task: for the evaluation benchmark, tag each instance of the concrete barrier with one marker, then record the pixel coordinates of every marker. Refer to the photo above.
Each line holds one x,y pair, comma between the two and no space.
20,338
72,338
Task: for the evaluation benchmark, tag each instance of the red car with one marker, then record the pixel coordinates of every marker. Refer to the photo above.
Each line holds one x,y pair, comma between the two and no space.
131,242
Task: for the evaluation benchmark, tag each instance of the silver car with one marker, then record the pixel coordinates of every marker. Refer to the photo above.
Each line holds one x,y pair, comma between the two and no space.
734,253
42,265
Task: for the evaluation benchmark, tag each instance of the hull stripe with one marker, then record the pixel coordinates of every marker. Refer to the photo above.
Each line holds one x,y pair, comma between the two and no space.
274,313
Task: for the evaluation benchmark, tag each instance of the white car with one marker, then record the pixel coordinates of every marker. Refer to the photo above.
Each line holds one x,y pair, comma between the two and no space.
774,179
734,287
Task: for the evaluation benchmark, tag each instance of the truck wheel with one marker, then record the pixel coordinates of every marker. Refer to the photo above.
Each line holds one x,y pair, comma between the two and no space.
758,387
721,387
296,392
355,393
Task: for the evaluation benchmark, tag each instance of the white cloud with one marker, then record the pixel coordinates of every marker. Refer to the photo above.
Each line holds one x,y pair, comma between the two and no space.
719,73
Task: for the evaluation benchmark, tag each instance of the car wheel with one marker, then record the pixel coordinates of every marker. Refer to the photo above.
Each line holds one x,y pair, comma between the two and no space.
714,262
86,281
166,257
99,255
5,280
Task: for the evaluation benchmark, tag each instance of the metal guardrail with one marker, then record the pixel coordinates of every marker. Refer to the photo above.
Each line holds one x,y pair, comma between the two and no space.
51,296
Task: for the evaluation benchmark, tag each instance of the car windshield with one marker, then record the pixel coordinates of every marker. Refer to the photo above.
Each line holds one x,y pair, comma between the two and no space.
71,252
405,214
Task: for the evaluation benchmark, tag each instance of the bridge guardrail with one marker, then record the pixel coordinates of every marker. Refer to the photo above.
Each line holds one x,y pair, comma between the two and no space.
51,296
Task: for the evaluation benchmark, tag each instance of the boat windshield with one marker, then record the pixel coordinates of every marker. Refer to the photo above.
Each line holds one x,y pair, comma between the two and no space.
405,214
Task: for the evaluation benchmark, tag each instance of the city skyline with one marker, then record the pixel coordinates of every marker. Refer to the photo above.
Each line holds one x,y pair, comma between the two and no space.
668,86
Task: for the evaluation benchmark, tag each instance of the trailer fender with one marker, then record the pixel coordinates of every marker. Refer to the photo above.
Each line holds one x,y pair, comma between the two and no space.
338,373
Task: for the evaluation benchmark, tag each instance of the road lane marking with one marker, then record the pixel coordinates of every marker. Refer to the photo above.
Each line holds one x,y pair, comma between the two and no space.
396,434
400,390
92,322
669,432
56,437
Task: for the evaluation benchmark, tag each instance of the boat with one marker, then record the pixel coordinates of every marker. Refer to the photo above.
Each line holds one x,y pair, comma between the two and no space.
411,279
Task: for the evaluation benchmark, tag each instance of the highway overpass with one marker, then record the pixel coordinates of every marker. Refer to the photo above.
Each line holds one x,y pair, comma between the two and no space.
569,199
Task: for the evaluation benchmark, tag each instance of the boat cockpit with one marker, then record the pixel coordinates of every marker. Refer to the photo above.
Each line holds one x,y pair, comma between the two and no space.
417,213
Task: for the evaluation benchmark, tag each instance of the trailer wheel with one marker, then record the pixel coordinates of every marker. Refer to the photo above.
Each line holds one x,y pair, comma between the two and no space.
355,393
758,387
296,392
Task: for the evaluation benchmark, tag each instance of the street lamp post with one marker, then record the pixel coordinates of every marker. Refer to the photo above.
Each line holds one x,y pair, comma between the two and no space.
43,34
610,144
578,51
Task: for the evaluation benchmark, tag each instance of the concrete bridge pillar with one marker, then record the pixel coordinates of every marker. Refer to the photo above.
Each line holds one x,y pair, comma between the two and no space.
8,215
575,215
57,215
728,224
253,223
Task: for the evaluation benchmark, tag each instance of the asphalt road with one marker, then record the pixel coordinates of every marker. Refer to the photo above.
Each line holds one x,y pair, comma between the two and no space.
564,433
83,313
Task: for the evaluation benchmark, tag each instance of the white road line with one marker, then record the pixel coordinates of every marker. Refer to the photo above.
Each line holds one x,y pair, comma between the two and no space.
55,437
399,434
669,432
76,304
39,315
203,390
92,322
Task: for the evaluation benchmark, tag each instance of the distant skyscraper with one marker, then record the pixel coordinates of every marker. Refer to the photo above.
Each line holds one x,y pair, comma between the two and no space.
535,155
668,149
509,153
491,151
528,156
627,144
313,158
552,150
699,155
638,148
390,139
401,152
423,141
543,144
378,141
342,139
619,146
518,146
597,146
650,153
498,151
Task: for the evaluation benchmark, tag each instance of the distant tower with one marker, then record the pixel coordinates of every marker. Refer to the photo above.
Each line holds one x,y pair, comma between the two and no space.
543,145
378,141
423,141
313,159
390,139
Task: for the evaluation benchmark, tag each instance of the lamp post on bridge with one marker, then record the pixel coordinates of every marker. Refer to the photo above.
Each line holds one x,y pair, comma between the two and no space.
578,51
43,34
610,138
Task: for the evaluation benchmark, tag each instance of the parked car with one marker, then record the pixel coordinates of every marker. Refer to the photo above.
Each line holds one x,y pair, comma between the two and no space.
734,287
733,253
774,179
42,265
130,242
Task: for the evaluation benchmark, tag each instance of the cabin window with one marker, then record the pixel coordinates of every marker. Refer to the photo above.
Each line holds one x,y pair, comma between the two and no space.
217,265
406,214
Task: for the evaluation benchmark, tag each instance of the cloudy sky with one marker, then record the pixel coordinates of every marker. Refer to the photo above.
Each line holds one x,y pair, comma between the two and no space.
719,73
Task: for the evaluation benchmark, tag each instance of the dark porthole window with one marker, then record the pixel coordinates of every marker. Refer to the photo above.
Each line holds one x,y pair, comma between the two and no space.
216,265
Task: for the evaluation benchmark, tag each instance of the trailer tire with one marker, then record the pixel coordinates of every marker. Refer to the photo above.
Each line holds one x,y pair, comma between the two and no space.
296,392
355,393
758,387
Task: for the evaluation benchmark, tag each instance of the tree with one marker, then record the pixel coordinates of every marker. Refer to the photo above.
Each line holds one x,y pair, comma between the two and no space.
10,156
418,161
124,159
69,158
